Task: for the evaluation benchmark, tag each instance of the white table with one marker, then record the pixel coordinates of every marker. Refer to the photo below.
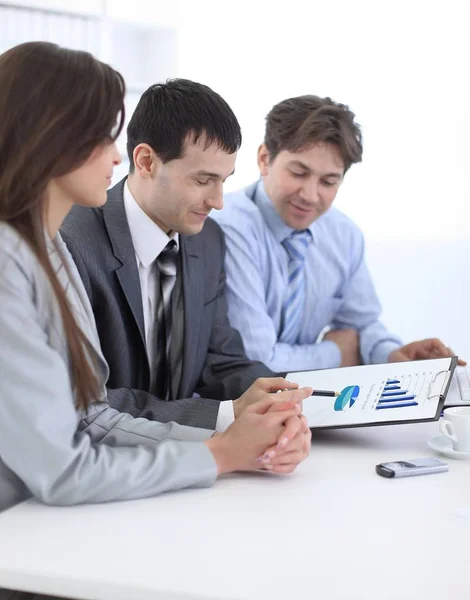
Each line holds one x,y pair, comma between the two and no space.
332,530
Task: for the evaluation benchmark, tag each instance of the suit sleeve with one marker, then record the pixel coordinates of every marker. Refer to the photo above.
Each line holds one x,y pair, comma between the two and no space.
228,372
193,412
108,455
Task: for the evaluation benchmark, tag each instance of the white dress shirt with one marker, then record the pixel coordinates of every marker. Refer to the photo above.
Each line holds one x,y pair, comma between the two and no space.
149,240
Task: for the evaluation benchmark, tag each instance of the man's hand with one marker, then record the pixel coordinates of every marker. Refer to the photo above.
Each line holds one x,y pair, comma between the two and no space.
347,341
431,348
259,389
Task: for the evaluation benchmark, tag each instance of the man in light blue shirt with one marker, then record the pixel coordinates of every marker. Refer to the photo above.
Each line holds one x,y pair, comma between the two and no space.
295,265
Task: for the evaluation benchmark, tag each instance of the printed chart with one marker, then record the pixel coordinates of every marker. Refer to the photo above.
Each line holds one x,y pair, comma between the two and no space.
394,396
367,394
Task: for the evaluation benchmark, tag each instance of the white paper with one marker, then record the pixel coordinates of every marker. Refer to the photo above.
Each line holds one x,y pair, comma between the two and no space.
375,393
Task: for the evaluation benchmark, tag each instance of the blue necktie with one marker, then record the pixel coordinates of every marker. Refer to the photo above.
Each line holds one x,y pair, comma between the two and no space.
296,246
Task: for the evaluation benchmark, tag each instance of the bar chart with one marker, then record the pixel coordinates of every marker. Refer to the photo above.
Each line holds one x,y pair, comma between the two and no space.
395,396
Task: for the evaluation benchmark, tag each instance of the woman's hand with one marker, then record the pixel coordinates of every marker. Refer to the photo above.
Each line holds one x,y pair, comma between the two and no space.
273,419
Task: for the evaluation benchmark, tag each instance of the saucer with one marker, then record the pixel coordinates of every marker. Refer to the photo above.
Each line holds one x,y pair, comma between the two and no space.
444,446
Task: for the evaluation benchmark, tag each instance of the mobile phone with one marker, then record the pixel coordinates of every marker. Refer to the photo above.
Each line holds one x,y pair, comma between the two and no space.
408,468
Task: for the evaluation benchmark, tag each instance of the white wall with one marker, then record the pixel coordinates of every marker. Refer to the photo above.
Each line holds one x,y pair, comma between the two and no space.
163,13
83,6
404,69
424,288
138,40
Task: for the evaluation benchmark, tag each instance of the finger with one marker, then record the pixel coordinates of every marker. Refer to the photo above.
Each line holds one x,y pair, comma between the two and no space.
306,439
461,362
290,431
274,384
298,395
272,403
434,347
305,427
288,458
398,356
283,404
275,406
435,353
282,469
278,401
291,428
293,445
301,442
308,434
307,443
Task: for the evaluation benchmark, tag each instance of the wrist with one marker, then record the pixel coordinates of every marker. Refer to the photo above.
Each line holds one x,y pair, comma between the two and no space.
221,454
237,407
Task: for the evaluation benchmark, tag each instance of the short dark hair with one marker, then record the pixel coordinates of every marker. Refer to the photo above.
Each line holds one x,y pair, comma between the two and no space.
301,122
168,112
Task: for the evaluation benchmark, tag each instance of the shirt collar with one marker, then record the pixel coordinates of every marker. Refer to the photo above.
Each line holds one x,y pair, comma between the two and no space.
148,239
273,220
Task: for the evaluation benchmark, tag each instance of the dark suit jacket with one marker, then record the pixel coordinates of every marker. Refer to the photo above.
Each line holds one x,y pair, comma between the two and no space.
214,361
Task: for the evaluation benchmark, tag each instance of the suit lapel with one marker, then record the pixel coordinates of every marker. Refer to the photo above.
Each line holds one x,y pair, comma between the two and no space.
115,220
193,294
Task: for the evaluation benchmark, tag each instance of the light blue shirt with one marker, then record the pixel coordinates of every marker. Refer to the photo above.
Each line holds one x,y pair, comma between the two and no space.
339,291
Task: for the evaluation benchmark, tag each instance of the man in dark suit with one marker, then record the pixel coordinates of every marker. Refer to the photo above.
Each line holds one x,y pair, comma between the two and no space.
153,264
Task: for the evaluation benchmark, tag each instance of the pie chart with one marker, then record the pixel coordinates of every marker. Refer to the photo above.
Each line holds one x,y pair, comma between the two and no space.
347,398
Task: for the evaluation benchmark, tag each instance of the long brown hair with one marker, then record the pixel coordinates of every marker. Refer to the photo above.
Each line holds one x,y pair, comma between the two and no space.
56,107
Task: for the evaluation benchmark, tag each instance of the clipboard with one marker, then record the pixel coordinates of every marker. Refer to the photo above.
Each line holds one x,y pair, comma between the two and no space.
379,394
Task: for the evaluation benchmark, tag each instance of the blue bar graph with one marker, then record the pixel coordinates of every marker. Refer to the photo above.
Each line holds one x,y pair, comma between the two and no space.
401,405
394,396
383,400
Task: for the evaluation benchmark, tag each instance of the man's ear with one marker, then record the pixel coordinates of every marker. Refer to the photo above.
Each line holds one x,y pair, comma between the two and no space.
263,160
146,162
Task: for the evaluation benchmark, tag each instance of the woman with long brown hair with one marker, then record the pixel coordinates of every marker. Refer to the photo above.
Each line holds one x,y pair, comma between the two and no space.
61,111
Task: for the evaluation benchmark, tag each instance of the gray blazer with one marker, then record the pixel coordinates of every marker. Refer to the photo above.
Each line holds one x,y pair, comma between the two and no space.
214,360
48,449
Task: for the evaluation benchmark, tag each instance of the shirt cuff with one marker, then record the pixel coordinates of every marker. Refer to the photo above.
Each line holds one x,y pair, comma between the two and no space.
381,351
225,417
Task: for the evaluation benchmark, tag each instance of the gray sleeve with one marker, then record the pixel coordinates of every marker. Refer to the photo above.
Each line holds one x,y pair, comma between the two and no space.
103,423
59,458
228,372
194,412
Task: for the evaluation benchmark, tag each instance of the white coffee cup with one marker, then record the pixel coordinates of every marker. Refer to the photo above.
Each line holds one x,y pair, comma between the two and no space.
456,426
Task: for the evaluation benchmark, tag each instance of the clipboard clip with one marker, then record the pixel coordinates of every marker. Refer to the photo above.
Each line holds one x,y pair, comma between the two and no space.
443,377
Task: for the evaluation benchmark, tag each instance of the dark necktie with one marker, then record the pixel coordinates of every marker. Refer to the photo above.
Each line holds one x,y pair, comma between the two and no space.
167,267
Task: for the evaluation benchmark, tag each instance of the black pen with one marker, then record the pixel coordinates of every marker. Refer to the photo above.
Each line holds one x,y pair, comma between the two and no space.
329,393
